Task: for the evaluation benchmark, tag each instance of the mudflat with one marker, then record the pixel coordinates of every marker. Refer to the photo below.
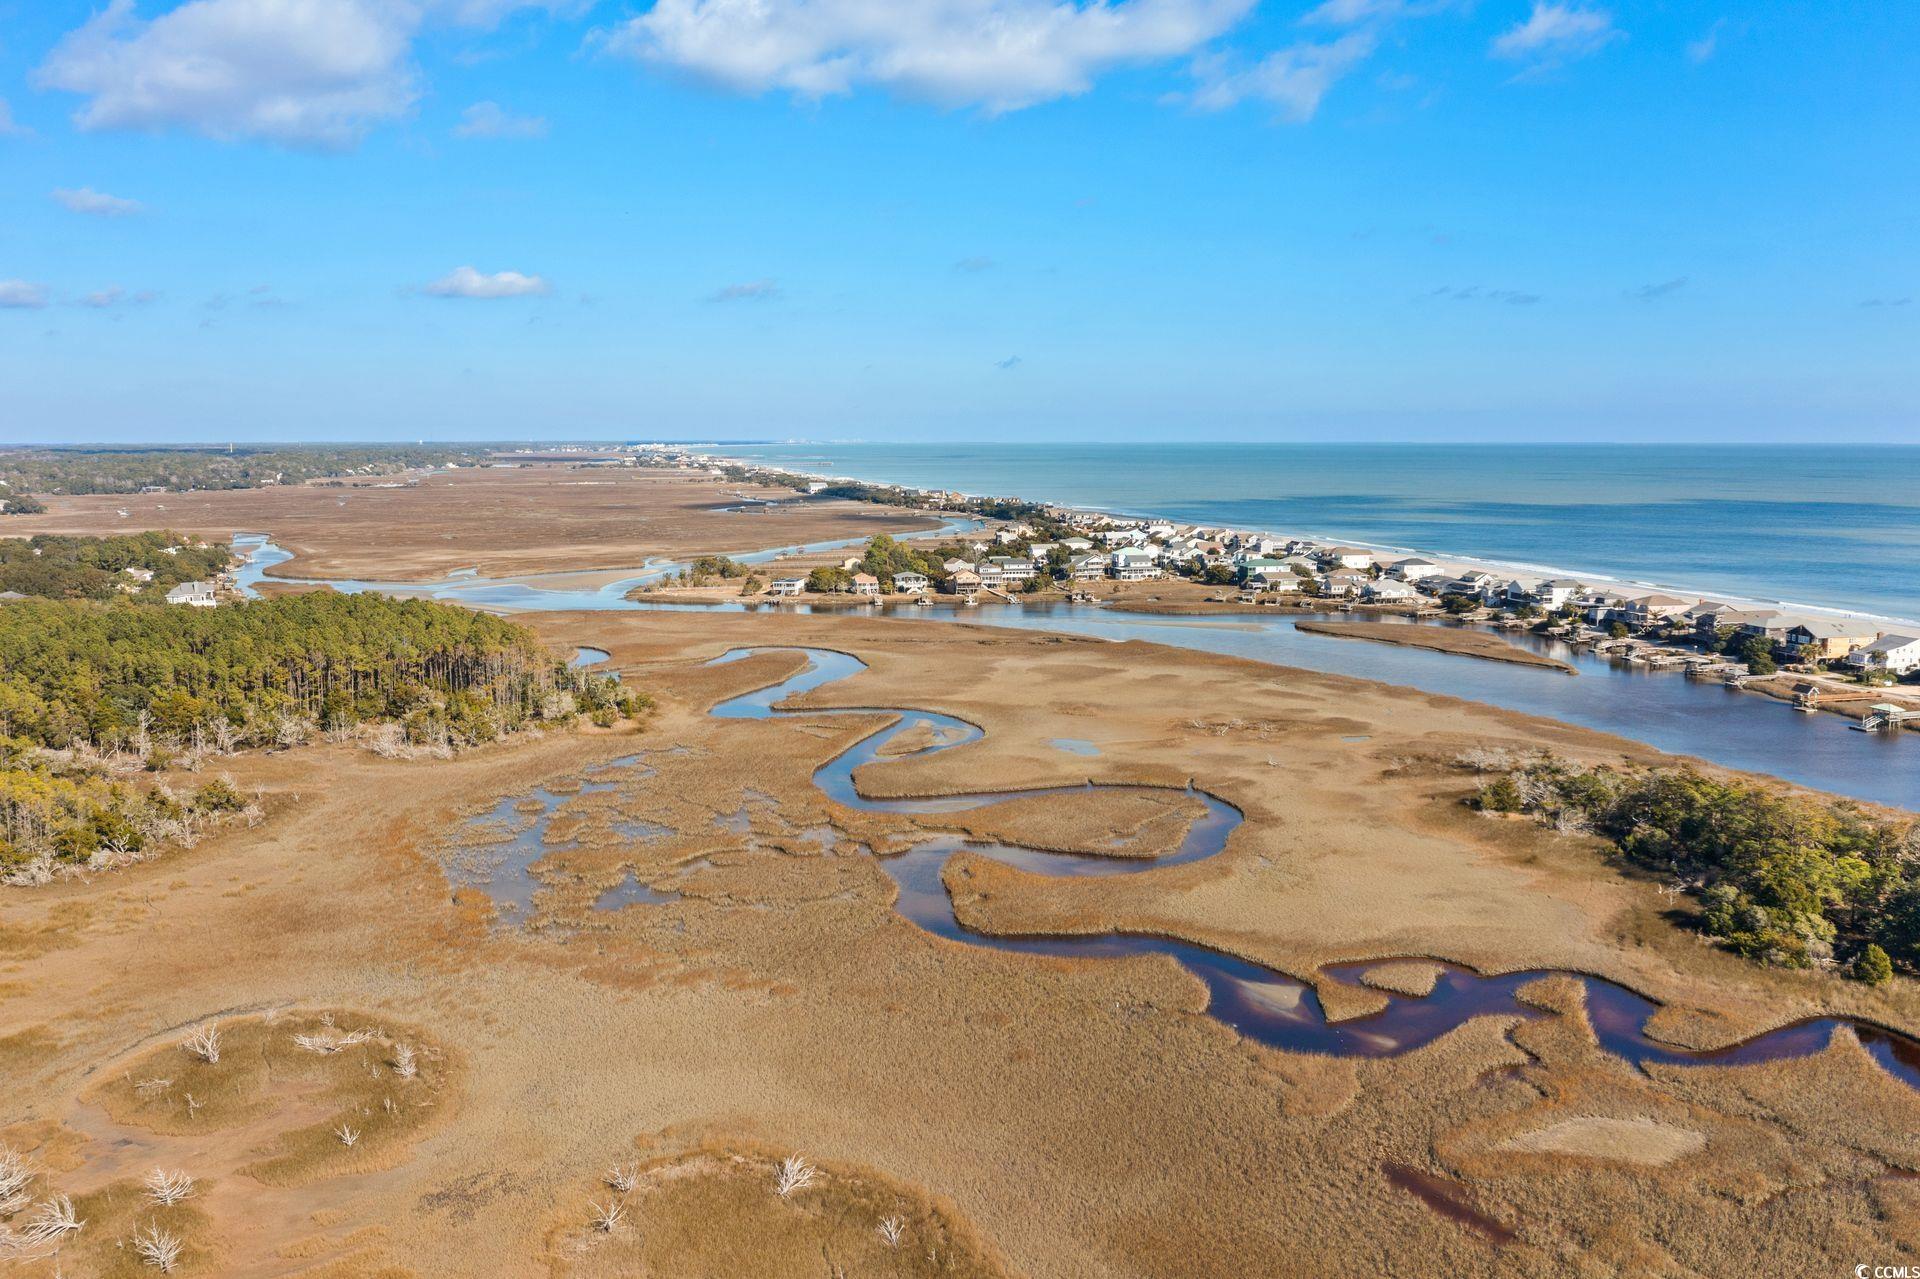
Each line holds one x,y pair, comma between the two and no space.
1441,639
532,518
763,1000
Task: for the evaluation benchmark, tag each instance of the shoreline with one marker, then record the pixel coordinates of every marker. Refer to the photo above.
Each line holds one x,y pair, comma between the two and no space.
1440,639
1518,569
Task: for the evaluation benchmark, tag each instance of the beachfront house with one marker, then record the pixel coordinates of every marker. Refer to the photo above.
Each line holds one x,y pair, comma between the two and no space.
910,583
1828,639
1076,545
193,594
963,581
787,586
1648,609
1038,551
865,584
1251,564
1351,557
1761,623
1896,654
1413,569
1554,594
1134,564
955,565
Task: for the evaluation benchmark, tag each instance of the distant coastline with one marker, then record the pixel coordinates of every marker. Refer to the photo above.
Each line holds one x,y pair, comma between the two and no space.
1899,560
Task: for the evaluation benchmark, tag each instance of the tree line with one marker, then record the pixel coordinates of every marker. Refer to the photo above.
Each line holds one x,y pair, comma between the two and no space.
103,470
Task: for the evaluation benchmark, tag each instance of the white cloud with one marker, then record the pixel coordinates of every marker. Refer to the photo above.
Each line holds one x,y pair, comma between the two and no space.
305,73
21,295
465,282
9,127
315,73
97,203
114,295
1557,33
1000,55
1294,80
490,120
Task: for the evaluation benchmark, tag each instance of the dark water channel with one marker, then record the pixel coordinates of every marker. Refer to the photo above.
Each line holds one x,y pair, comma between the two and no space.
1255,1001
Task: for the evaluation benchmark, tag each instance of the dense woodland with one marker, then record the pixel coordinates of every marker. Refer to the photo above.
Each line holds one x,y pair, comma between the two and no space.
1783,878
96,568
92,692
96,470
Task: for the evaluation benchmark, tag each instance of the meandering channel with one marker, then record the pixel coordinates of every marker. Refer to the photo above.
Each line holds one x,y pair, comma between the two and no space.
1258,1002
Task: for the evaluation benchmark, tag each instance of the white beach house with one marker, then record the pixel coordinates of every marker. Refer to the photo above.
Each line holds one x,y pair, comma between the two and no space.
1893,653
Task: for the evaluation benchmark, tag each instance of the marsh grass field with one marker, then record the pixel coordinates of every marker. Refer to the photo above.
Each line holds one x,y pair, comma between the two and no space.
766,1001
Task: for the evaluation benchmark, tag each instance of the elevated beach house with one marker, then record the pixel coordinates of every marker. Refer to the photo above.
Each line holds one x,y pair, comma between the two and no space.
1134,564
1895,654
1277,581
1345,557
865,584
1648,609
1413,569
1013,568
910,583
1828,639
963,581
1388,591
1087,568
787,586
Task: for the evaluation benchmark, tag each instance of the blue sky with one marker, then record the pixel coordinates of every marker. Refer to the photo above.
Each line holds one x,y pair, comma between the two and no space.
954,219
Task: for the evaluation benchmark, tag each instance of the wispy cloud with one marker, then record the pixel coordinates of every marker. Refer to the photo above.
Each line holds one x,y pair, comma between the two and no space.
9,127
113,296
467,282
1653,292
751,291
490,120
1900,301
1347,13
1475,293
1557,33
97,203
1294,80
999,55
21,295
974,265
1011,362
1703,49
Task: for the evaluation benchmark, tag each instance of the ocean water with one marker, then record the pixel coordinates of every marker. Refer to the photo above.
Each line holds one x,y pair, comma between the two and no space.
1834,528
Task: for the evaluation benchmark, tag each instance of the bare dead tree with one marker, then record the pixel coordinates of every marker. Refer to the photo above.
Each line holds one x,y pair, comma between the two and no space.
347,1136
607,1216
893,1230
168,1188
158,1248
623,1179
205,1044
794,1173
